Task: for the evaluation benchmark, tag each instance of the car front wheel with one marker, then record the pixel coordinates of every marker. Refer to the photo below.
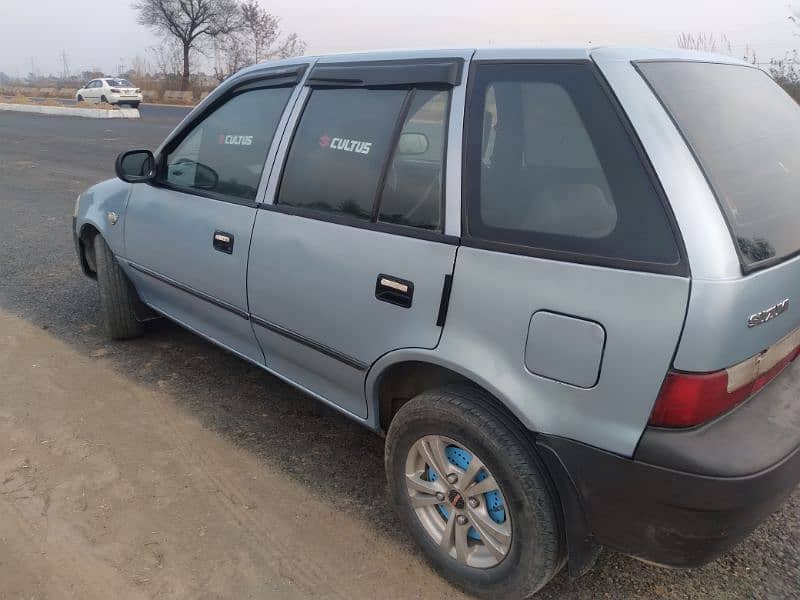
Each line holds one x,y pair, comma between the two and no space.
117,295
467,484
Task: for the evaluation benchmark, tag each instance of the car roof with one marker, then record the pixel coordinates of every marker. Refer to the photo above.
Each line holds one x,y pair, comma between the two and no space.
601,54
606,53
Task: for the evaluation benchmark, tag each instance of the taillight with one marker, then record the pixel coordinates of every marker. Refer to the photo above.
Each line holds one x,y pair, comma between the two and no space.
688,399
114,91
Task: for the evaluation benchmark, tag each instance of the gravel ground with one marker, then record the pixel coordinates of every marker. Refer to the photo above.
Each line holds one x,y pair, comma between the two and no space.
44,163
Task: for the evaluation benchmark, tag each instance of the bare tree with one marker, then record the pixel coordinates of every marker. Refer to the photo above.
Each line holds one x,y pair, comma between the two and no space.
230,55
261,27
166,57
705,42
189,22
291,46
64,65
258,39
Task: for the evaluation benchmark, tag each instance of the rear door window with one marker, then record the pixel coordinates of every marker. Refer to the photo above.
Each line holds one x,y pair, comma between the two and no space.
551,168
225,153
339,150
369,155
745,132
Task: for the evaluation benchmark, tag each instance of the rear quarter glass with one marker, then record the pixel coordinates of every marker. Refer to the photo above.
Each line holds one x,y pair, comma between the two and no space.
552,167
744,131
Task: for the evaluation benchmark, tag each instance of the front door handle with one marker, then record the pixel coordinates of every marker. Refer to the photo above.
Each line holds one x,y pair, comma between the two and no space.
394,290
223,242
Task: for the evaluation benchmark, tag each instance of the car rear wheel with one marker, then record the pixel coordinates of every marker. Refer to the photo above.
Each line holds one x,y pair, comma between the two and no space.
117,296
103,99
467,484
80,98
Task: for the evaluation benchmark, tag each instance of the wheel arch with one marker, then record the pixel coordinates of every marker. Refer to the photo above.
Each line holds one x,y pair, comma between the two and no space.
399,376
88,260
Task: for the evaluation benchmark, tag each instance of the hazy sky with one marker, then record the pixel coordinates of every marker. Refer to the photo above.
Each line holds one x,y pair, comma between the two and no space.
104,33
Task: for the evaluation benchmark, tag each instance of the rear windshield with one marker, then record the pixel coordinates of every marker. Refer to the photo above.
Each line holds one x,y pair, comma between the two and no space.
119,83
745,131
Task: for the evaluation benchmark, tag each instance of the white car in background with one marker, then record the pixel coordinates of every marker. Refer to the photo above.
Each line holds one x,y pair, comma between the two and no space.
110,90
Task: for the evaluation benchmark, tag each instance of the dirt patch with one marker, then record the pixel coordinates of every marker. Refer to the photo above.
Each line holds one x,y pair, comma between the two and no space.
111,490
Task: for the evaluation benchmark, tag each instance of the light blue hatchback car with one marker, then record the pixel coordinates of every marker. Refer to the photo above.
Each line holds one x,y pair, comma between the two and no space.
561,282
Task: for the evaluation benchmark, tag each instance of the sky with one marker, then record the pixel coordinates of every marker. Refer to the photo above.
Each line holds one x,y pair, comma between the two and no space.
104,34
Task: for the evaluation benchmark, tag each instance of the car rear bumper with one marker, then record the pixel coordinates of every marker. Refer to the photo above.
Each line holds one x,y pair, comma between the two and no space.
123,99
688,496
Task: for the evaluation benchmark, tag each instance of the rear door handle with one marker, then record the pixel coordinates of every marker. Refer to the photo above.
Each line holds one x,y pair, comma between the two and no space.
394,290
223,242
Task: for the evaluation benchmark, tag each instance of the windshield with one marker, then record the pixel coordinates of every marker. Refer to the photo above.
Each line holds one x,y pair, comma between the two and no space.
745,131
119,83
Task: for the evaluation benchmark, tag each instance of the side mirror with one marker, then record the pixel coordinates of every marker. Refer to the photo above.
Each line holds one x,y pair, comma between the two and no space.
135,166
413,143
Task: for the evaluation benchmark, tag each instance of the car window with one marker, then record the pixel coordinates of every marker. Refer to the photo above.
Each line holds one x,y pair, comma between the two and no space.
744,130
339,150
119,83
226,151
550,166
412,193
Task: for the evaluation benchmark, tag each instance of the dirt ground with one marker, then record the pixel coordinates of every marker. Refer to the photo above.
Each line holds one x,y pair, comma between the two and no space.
109,490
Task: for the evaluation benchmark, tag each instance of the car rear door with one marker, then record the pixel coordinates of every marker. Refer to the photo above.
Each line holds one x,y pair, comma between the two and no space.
349,258
187,236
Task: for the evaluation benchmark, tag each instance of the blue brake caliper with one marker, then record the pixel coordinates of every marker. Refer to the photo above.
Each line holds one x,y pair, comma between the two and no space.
494,504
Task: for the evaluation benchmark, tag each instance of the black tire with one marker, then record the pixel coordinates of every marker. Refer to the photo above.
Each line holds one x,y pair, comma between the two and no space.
80,98
117,296
134,105
103,99
468,415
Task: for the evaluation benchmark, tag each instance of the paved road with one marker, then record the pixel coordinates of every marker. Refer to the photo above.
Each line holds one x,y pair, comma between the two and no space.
46,161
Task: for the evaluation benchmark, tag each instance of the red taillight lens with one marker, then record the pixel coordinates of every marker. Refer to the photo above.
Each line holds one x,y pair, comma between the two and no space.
688,399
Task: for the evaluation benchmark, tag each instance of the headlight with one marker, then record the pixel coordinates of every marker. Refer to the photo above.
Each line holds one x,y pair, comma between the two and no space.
77,205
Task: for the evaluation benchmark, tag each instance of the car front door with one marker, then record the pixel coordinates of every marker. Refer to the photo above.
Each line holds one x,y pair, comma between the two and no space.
350,260
91,91
187,236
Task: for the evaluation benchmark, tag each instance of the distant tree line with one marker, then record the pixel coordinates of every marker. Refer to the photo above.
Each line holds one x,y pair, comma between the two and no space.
235,33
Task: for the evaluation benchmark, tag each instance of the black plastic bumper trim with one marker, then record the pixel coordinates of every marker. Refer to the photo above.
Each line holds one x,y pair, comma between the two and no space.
669,517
